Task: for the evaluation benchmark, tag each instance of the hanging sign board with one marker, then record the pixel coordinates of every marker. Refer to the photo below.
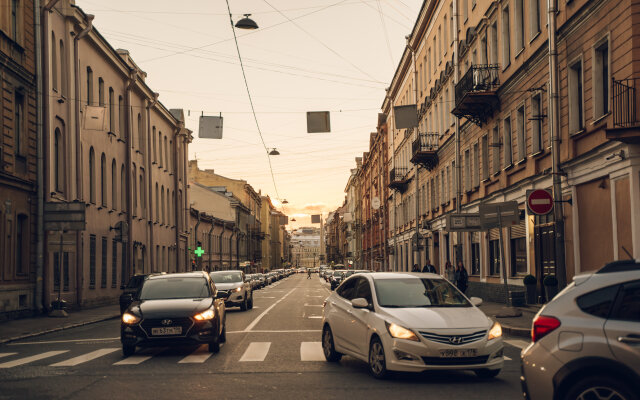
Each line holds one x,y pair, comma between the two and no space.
210,127
462,222
94,118
492,215
64,216
406,116
318,122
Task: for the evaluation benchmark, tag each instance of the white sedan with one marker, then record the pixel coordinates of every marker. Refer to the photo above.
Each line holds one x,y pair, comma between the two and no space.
410,322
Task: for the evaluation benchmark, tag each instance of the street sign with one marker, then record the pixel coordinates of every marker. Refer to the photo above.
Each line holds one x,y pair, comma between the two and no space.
64,216
539,201
462,222
406,116
68,243
492,215
315,219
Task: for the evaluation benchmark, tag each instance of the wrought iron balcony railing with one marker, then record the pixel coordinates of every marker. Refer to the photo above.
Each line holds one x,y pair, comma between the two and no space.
625,105
476,93
425,150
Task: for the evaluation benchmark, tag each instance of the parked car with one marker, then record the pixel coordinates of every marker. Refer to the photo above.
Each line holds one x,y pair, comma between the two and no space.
337,278
234,288
131,291
328,274
586,341
410,322
174,309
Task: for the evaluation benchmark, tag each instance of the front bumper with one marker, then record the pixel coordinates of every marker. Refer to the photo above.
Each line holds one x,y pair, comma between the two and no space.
196,332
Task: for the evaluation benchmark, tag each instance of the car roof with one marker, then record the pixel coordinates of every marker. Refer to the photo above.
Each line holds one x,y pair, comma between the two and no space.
404,275
194,274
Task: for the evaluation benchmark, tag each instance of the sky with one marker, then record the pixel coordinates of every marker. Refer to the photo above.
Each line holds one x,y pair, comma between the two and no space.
311,55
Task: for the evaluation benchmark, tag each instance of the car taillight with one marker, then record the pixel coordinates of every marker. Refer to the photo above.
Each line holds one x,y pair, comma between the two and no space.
542,326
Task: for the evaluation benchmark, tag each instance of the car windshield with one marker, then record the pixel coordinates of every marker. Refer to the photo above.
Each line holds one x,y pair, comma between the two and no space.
226,277
174,288
415,292
338,274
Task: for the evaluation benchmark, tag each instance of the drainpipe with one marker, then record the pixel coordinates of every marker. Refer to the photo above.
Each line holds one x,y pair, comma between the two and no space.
224,226
417,166
131,81
558,216
209,243
458,171
176,196
395,203
233,232
150,104
195,230
79,169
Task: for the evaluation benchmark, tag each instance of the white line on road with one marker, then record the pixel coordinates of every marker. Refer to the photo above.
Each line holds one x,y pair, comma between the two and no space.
257,351
85,357
521,344
140,358
27,360
261,297
314,296
201,355
67,341
314,316
313,305
311,351
280,331
6,354
259,317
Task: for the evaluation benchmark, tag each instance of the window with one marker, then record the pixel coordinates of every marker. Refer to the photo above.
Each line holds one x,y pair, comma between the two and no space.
162,205
576,105
598,302
121,114
112,111
518,256
89,86
166,154
160,149
348,289
123,189
15,19
495,149
92,176
475,253
63,70
114,183
451,33
534,23
18,123
506,38
467,171
522,128
485,157
476,166
141,135
629,306
22,239
143,202
444,32
493,37
519,24
443,186
134,191
601,80
54,62
440,42
92,261
508,150
157,204
103,266
155,147
454,177
536,124
494,256
114,263
363,290
100,92
58,161
484,51
103,180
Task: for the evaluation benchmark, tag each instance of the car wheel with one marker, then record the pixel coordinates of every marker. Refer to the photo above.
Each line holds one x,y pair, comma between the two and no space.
377,361
128,350
251,302
603,387
244,304
223,334
328,347
487,373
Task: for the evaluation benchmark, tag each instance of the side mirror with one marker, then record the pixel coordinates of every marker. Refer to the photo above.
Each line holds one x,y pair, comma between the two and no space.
360,303
476,301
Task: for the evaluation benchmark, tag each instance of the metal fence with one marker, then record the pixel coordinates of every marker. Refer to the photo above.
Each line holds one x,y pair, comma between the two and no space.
625,112
398,174
426,142
478,78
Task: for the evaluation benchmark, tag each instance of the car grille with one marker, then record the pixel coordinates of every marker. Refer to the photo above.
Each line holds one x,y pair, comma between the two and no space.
454,340
455,361
224,293
185,323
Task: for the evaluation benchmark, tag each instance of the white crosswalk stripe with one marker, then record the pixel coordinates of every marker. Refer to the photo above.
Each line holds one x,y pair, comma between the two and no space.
257,351
142,357
30,359
85,357
311,351
201,355
7,354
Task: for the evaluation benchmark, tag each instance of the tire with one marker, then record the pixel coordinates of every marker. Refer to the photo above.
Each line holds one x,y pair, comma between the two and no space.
328,348
251,302
377,360
244,306
223,334
600,387
128,350
487,373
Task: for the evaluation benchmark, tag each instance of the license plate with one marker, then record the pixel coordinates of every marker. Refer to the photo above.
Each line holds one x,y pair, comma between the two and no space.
169,330
458,353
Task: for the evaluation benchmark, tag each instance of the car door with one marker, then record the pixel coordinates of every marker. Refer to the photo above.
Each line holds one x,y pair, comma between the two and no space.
218,304
340,325
623,326
360,321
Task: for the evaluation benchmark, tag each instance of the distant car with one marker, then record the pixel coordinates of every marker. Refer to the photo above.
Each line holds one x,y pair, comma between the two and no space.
234,288
328,274
174,309
586,341
410,322
337,278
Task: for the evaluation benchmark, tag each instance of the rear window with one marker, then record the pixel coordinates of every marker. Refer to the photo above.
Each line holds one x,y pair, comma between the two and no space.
175,288
599,301
226,277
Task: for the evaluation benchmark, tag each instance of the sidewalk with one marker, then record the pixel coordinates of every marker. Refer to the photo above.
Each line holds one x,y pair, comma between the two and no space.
514,326
28,327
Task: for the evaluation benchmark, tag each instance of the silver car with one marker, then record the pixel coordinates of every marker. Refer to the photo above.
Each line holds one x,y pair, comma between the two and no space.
586,341
235,288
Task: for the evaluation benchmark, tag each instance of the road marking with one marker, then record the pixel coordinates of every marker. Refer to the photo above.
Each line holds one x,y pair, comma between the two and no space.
314,316
140,358
259,317
201,355
261,297
314,296
279,331
313,305
521,344
27,360
6,354
85,357
311,351
67,341
257,351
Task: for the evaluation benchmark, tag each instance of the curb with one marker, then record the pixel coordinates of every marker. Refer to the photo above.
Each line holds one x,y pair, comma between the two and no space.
58,329
513,331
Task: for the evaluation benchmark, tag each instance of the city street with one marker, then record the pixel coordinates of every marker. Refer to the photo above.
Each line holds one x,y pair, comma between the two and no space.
272,351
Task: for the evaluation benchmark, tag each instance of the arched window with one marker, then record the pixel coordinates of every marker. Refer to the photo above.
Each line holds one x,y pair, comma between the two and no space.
54,62
143,203
160,148
171,166
134,191
100,92
103,180
112,111
123,189
58,162
121,114
92,176
173,207
89,86
140,134
155,149
162,204
63,69
166,154
157,204
114,185
168,209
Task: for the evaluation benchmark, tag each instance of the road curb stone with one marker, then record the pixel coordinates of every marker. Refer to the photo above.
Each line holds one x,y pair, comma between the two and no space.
58,329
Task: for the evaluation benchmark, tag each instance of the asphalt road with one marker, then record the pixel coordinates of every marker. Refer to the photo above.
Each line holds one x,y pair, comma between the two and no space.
272,351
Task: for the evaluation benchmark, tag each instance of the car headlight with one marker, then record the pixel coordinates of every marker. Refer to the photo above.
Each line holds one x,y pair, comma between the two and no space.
205,315
495,331
398,332
237,289
130,319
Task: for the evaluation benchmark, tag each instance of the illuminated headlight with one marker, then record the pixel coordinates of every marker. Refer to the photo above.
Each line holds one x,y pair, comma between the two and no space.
205,315
130,319
495,331
398,332
237,289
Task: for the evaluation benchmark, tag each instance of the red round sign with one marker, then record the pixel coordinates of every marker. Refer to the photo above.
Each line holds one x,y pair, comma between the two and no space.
540,202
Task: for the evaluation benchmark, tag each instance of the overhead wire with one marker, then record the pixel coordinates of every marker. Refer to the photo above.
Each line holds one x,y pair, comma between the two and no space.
386,33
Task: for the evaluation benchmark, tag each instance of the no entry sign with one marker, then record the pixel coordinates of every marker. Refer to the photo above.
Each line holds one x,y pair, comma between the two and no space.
539,201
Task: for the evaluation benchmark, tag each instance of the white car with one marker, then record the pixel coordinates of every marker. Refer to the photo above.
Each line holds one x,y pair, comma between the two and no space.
410,322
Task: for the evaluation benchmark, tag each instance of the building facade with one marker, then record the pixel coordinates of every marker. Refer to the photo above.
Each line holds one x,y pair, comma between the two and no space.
305,252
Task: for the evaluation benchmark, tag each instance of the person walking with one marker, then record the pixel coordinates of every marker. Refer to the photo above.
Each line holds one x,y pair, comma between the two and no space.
461,277
415,268
428,267
449,272
308,273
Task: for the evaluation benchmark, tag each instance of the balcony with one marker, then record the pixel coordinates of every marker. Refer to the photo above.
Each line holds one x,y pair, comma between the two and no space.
425,150
626,124
398,179
477,93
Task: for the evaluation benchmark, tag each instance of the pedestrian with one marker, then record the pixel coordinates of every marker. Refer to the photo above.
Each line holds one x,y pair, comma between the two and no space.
428,267
449,272
461,277
308,273
415,268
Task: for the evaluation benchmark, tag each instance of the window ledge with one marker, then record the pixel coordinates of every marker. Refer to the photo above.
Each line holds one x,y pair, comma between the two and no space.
600,118
519,52
534,36
496,173
538,153
508,167
110,211
577,133
120,140
111,133
524,160
485,180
